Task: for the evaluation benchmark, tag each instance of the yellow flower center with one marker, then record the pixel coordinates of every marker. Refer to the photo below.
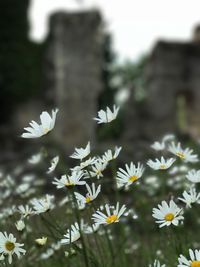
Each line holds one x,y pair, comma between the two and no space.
98,172
111,218
67,184
46,130
9,245
41,241
133,178
195,264
169,216
180,155
88,199
162,166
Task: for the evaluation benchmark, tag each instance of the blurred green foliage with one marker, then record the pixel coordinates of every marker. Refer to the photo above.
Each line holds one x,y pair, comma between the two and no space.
130,74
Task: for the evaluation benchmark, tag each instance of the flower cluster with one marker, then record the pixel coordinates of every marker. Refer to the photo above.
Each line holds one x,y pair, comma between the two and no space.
89,195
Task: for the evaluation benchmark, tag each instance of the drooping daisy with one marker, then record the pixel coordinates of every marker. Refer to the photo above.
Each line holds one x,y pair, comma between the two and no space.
20,225
98,168
107,116
160,164
157,264
194,259
37,130
193,176
109,155
25,211
72,235
190,197
43,205
9,246
91,194
112,214
185,154
130,175
69,180
81,153
54,163
167,214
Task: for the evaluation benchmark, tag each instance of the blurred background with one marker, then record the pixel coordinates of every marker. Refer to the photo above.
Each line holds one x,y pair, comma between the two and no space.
83,55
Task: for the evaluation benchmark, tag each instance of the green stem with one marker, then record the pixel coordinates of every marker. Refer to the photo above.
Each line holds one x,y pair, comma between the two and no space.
79,224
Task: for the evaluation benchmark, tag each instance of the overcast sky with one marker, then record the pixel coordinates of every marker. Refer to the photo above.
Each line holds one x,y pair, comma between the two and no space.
135,25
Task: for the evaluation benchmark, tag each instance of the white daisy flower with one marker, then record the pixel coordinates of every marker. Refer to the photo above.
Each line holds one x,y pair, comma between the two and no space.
43,205
72,235
92,193
98,168
70,180
8,246
160,164
81,153
130,175
194,260
35,159
54,163
107,116
80,205
87,229
190,197
37,130
25,211
158,146
178,169
46,255
56,246
28,178
157,264
193,176
20,225
22,188
85,164
185,154
109,155
112,214
41,241
167,214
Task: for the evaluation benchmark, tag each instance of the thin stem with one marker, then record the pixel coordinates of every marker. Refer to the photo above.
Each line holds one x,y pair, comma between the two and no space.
79,224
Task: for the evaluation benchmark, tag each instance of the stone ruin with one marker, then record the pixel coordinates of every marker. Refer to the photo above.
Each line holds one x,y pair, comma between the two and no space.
72,66
74,60
172,104
73,82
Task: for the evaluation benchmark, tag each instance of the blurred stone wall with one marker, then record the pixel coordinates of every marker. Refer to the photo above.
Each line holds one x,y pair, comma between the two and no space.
68,71
172,85
74,62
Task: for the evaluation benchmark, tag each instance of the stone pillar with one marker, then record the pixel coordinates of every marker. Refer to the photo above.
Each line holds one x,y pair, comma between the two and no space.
75,58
